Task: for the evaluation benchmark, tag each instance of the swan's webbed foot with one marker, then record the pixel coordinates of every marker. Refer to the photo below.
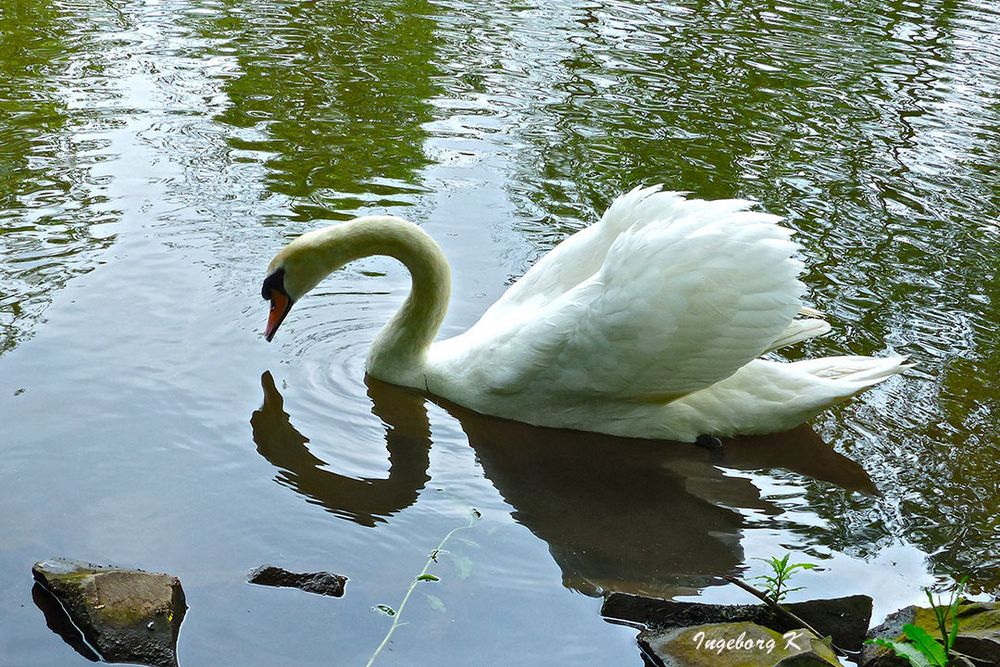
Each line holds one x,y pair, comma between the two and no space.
709,442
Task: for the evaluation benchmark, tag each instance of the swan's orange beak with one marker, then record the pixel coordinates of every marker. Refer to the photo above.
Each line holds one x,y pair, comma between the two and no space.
280,305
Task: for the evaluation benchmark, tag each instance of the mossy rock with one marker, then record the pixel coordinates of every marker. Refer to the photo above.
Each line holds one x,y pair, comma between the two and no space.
742,644
844,619
126,615
978,632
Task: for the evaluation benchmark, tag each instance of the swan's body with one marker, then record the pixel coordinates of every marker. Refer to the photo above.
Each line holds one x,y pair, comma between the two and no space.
650,323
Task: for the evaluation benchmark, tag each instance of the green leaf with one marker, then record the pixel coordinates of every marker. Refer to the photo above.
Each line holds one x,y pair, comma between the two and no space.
905,651
385,609
802,566
926,644
428,577
436,603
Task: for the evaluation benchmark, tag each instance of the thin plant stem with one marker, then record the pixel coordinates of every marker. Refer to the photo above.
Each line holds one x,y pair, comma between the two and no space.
431,559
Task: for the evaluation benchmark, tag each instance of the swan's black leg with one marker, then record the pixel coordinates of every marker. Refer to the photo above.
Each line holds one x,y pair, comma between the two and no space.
709,442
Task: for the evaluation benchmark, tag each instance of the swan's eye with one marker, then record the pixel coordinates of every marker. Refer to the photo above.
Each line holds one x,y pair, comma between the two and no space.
274,283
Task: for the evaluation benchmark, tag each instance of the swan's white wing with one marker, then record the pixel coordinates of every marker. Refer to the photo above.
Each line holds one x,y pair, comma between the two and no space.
582,255
677,304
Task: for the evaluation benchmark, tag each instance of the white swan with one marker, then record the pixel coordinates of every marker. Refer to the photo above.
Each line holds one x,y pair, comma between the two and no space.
650,323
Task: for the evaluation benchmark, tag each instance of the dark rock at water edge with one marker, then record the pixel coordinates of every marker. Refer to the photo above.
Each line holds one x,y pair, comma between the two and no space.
844,619
804,659
123,615
322,583
890,628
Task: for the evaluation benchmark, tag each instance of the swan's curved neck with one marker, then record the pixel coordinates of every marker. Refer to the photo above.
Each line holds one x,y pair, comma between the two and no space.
399,352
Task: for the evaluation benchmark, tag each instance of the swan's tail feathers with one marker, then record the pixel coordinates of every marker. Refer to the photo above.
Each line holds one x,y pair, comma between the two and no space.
855,373
807,311
798,331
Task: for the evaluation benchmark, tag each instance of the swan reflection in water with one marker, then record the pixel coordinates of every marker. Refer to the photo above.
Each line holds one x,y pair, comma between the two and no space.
636,516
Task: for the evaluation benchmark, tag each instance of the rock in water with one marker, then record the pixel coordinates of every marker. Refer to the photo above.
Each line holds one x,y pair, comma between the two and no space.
845,619
125,615
978,633
323,583
741,644
805,659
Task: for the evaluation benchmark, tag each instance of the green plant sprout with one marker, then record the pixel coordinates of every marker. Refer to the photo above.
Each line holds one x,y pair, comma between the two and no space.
424,575
922,650
776,585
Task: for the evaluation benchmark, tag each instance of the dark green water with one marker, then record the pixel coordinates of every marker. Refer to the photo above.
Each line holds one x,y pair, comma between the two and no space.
154,155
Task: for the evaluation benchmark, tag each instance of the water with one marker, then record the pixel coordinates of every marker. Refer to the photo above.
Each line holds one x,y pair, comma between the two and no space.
156,154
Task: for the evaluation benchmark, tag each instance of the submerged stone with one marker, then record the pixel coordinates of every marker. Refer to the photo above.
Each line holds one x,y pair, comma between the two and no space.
123,615
322,583
740,644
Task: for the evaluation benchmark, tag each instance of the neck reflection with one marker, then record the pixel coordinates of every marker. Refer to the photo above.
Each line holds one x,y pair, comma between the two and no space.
366,501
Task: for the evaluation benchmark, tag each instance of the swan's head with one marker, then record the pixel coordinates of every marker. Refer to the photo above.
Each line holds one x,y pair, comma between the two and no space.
298,268
304,262
274,290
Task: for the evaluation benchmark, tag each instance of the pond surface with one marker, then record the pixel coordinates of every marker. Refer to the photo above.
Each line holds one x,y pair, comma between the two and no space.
154,155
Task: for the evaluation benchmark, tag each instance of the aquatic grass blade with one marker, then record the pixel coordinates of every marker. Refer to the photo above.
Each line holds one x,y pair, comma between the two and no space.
926,644
959,591
953,633
906,651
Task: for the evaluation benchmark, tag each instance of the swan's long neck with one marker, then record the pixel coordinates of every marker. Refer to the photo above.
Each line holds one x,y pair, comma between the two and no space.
400,349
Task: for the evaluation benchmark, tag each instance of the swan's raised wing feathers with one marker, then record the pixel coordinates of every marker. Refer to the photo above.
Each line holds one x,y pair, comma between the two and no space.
678,303
580,256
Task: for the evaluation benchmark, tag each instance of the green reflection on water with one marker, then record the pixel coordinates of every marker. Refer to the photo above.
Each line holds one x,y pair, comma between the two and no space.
48,200
337,94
